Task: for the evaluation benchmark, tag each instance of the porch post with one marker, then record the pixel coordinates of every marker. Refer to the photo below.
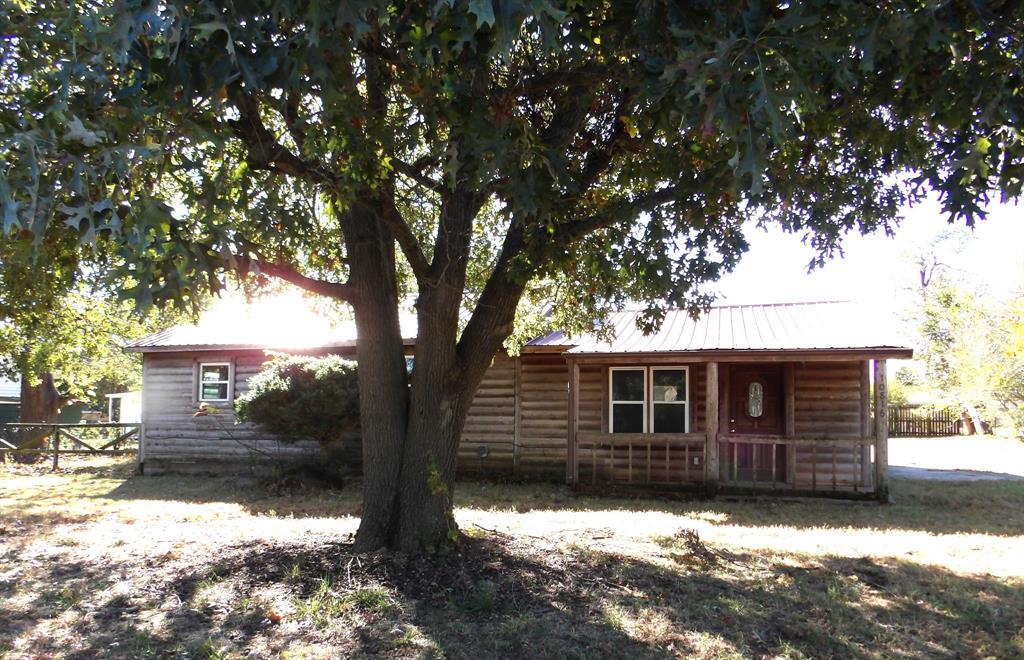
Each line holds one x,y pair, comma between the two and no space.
881,432
517,413
571,463
865,421
711,417
789,421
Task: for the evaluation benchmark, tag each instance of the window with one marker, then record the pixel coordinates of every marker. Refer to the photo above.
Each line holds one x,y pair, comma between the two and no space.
755,400
649,400
215,381
629,410
668,400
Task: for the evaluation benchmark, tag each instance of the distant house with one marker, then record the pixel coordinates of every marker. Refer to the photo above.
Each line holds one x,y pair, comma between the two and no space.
125,407
746,398
10,405
10,400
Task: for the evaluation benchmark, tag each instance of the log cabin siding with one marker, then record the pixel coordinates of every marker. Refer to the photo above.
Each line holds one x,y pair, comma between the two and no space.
827,402
517,422
175,437
543,415
488,438
698,376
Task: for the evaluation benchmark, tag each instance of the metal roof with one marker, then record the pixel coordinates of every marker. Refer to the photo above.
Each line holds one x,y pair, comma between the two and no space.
831,325
809,326
10,389
258,336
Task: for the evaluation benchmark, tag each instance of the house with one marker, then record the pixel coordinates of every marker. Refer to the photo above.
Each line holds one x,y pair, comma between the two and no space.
10,400
10,405
745,398
125,407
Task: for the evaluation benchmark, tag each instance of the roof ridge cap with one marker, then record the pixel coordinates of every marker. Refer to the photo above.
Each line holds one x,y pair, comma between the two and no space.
635,310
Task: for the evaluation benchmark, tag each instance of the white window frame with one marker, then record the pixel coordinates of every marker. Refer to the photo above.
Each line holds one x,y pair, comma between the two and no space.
648,402
229,382
686,396
612,401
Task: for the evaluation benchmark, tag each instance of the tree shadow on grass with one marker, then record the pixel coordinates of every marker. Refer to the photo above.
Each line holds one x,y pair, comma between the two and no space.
256,495
994,508
503,597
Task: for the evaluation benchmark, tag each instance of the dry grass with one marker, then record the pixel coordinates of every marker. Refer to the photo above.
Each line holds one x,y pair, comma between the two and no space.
96,562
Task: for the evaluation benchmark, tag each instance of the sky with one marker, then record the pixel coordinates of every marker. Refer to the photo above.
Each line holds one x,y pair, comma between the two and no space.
878,269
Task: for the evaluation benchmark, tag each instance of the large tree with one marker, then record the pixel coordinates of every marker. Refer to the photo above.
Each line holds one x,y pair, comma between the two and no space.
459,151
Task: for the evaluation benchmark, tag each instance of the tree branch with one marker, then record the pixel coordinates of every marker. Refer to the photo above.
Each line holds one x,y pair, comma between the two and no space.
294,122
414,172
492,320
410,245
600,159
264,148
288,273
571,232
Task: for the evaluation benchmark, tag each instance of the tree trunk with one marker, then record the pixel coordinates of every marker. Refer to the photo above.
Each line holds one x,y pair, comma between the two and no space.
383,383
411,430
40,403
445,379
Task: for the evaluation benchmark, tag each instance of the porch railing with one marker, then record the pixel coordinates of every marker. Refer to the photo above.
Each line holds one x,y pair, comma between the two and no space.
28,439
824,465
815,464
655,459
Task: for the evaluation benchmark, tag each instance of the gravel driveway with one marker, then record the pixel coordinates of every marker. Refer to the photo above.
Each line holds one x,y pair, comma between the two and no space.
957,458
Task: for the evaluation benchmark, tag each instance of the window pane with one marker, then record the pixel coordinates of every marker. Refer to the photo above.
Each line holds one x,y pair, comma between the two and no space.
213,391
755,400
669,384
670,418
215,373
627,386
627,418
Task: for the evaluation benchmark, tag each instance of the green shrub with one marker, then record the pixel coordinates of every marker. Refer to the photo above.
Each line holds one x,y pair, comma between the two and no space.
303,397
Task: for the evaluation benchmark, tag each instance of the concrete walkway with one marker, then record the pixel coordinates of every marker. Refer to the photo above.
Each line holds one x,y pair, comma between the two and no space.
958,458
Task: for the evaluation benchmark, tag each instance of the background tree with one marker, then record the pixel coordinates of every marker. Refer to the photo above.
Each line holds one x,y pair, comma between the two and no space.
462,150
73,351
965,335
1010,385
970,349
62,335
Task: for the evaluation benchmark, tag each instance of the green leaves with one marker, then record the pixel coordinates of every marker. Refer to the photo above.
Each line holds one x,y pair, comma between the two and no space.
616,146
302,397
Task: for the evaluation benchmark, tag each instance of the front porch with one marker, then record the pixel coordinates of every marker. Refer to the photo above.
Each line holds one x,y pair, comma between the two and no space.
806,427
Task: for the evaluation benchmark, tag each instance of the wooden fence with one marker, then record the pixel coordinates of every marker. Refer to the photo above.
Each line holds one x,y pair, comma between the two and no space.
56,439
921,422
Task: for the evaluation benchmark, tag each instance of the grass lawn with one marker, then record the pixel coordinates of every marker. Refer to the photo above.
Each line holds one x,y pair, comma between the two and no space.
97,562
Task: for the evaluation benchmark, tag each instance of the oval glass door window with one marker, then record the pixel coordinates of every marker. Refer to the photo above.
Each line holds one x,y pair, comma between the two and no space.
755,400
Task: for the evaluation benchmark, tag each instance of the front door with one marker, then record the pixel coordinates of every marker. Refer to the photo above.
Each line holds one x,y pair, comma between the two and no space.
756,407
